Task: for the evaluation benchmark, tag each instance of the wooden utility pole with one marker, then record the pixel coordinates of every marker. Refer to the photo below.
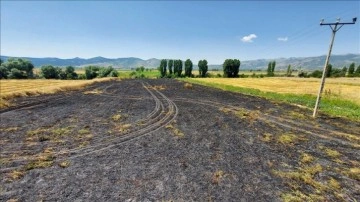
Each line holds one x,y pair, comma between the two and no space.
334,27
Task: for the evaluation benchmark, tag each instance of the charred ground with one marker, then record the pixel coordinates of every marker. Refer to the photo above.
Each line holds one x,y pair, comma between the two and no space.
151,140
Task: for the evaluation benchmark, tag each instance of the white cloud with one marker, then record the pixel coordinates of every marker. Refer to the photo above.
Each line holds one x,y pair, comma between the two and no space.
284,39
249,38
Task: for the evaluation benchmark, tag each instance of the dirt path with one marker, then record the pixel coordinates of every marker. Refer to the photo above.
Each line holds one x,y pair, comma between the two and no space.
154,140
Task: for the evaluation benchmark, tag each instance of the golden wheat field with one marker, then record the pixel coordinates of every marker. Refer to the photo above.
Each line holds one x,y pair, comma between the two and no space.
346,88
15,88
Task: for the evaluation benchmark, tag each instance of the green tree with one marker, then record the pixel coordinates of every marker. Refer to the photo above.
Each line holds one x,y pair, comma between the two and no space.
351,70
357,71
24,66
163,64
273,64
70,72
106,71
188,67
17,74
316,74
203,67
3,72
271,68
329,70
178,67
61,74
288,71
49,72
231,68
343,71
170,66
91,72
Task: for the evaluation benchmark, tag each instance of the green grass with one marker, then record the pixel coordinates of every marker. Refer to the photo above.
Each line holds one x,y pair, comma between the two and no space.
151,74
332,106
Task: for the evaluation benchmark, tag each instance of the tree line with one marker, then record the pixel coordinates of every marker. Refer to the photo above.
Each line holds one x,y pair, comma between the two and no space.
173,68
334,72
18,68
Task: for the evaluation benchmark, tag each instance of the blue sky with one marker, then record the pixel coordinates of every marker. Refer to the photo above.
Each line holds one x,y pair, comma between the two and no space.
212,30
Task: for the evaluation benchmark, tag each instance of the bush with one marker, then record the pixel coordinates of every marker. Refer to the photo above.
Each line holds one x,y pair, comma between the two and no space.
316,74
24,69
17,74
91,72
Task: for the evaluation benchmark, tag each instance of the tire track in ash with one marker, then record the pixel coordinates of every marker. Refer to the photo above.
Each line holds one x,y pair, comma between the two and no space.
305,128
53,99
166,116
149,119
165,112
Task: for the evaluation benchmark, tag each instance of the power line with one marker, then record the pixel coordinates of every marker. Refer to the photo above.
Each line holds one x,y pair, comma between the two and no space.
334,27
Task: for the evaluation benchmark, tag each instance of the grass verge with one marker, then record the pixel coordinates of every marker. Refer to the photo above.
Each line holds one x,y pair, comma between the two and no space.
332,106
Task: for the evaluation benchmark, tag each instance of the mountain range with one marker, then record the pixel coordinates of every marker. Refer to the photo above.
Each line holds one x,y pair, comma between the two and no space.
305,63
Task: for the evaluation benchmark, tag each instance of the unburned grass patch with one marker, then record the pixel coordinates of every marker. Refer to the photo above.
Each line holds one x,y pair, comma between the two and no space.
290,139
9,129
64,164
217,176
122,128
332,153
353,173
241,113
42,160
266,137
306,158
116,117
175,130
15,175
295,180
188,86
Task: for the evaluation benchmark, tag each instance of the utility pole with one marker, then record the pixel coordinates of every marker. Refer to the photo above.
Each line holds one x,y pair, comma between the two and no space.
334,27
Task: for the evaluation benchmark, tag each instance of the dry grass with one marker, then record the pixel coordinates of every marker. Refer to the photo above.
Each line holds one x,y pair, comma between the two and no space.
64,164
301,176
332,153
124,128
116,117
267,137
306,158
42,160
159,87
217,176
347,88
188,86
16,174
175,131
353,173
290,139
10,89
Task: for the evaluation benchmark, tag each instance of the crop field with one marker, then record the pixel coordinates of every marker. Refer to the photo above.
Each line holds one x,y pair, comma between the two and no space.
169,140
10,89
345,88
341,96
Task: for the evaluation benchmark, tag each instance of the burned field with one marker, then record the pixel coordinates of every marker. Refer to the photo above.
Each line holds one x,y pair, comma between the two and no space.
152,140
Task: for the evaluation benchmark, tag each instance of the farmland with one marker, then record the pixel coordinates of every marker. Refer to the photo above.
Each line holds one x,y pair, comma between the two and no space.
341,96
163,139
19,88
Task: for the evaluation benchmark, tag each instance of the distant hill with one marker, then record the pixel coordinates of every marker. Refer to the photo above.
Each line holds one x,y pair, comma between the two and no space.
124,63
305,63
